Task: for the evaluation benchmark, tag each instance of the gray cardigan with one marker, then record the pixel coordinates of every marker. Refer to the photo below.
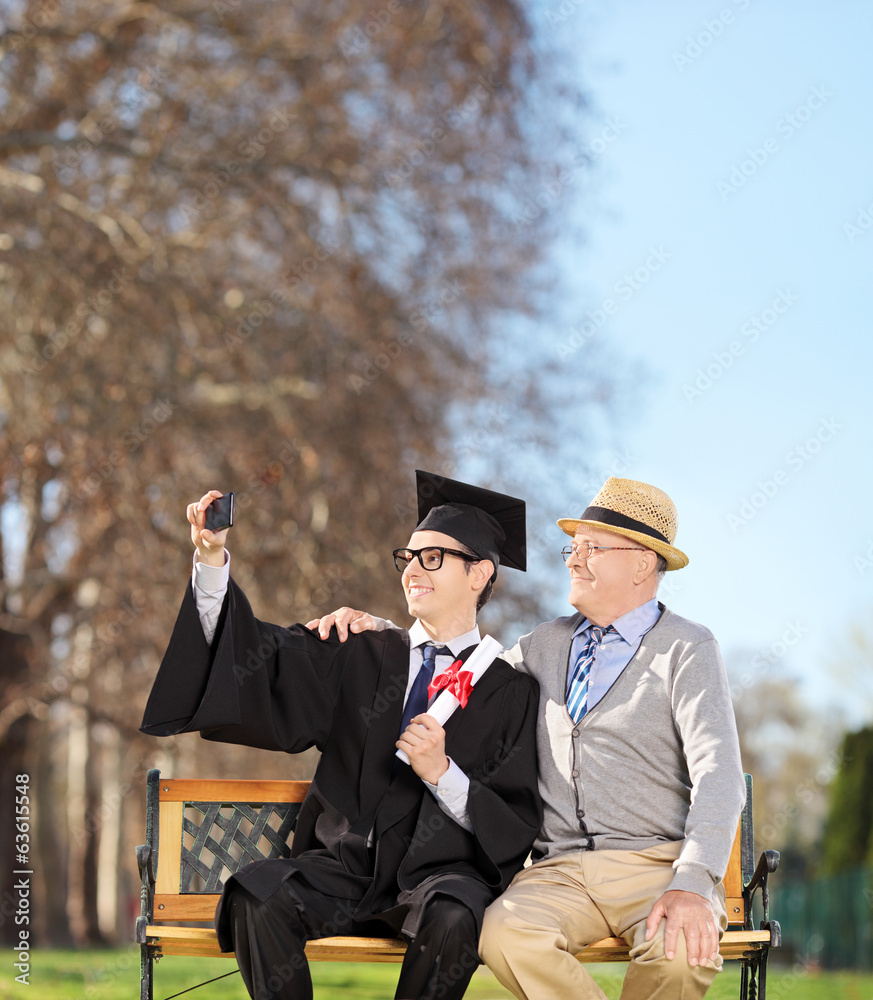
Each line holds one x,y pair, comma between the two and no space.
656,760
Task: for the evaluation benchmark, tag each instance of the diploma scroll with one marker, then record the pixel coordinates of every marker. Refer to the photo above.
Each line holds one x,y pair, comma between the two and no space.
477,663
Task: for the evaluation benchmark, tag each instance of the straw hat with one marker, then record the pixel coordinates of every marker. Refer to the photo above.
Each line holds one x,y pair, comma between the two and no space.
634,510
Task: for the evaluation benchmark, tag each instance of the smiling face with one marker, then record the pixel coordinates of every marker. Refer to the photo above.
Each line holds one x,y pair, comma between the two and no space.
610,583
444,599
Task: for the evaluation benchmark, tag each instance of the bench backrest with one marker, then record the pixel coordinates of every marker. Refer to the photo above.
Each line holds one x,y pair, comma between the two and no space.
206,830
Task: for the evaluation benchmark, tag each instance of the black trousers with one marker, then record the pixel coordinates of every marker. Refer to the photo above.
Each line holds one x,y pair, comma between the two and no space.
269,939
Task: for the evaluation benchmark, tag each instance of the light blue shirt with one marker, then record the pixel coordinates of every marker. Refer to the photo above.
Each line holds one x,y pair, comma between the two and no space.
616,649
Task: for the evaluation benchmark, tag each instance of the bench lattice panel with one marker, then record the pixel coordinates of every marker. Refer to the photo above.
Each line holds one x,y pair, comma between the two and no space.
232,838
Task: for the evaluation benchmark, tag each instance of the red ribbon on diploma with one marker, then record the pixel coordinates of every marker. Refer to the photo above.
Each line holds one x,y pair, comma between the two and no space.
454,680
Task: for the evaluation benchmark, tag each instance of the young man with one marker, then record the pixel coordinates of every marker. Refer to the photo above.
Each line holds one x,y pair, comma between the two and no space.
380,846
639,772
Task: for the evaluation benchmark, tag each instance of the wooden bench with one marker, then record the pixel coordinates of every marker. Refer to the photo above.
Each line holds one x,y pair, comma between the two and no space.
204,830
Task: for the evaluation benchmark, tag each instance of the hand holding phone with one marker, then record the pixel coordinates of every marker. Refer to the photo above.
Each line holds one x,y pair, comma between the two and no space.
210,518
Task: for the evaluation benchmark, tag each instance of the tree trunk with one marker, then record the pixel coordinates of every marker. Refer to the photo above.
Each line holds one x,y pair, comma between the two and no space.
53,923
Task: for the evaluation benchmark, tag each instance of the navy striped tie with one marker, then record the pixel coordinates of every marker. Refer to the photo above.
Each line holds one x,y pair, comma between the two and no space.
417,701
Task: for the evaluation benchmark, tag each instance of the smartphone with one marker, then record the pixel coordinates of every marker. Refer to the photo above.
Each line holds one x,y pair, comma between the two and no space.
219,514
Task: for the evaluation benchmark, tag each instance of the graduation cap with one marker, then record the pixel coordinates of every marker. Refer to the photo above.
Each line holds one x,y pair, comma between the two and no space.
490,524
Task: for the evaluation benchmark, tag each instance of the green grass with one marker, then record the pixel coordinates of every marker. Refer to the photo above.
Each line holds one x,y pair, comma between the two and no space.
114,975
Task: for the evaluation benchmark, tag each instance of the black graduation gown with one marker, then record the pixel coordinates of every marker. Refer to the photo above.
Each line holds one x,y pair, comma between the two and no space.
286,689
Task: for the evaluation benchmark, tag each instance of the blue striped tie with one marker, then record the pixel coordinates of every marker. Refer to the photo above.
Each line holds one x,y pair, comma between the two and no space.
577,686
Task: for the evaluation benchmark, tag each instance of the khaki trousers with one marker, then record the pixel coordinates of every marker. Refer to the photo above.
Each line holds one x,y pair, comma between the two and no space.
554,908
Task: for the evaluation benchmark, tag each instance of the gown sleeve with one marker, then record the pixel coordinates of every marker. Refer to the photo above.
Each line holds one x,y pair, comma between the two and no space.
255,684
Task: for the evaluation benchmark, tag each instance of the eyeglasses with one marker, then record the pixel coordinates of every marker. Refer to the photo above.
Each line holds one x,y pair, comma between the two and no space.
430,558
585,550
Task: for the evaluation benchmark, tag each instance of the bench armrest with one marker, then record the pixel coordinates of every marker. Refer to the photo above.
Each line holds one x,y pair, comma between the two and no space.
767,864
146,892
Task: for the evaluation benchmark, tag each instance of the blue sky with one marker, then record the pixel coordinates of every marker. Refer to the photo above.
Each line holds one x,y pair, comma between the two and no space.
734,175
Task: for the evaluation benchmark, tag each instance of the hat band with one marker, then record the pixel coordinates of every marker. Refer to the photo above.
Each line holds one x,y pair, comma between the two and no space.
616,520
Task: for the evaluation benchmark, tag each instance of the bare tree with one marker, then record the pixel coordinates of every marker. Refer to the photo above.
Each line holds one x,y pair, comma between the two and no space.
258,246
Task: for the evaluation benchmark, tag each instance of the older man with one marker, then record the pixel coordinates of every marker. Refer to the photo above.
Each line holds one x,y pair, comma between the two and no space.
639,770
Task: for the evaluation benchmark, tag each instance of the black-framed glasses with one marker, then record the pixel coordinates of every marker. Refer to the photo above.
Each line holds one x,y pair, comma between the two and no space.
585,550
431,558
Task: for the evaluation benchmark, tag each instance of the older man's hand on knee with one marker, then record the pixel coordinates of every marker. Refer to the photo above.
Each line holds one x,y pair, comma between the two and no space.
691,914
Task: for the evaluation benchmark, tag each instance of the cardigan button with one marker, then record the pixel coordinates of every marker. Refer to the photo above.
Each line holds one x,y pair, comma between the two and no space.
575,732
574,774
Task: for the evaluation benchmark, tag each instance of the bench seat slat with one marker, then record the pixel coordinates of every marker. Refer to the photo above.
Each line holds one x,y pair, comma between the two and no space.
203,941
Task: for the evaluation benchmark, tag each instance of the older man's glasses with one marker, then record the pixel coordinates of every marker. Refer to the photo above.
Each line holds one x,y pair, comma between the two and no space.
430,558
585,550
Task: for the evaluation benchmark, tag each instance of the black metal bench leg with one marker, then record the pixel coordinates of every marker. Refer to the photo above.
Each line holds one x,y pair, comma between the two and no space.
146,974
755,980
762,974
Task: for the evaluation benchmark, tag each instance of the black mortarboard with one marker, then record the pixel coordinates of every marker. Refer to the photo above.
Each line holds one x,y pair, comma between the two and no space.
490,524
